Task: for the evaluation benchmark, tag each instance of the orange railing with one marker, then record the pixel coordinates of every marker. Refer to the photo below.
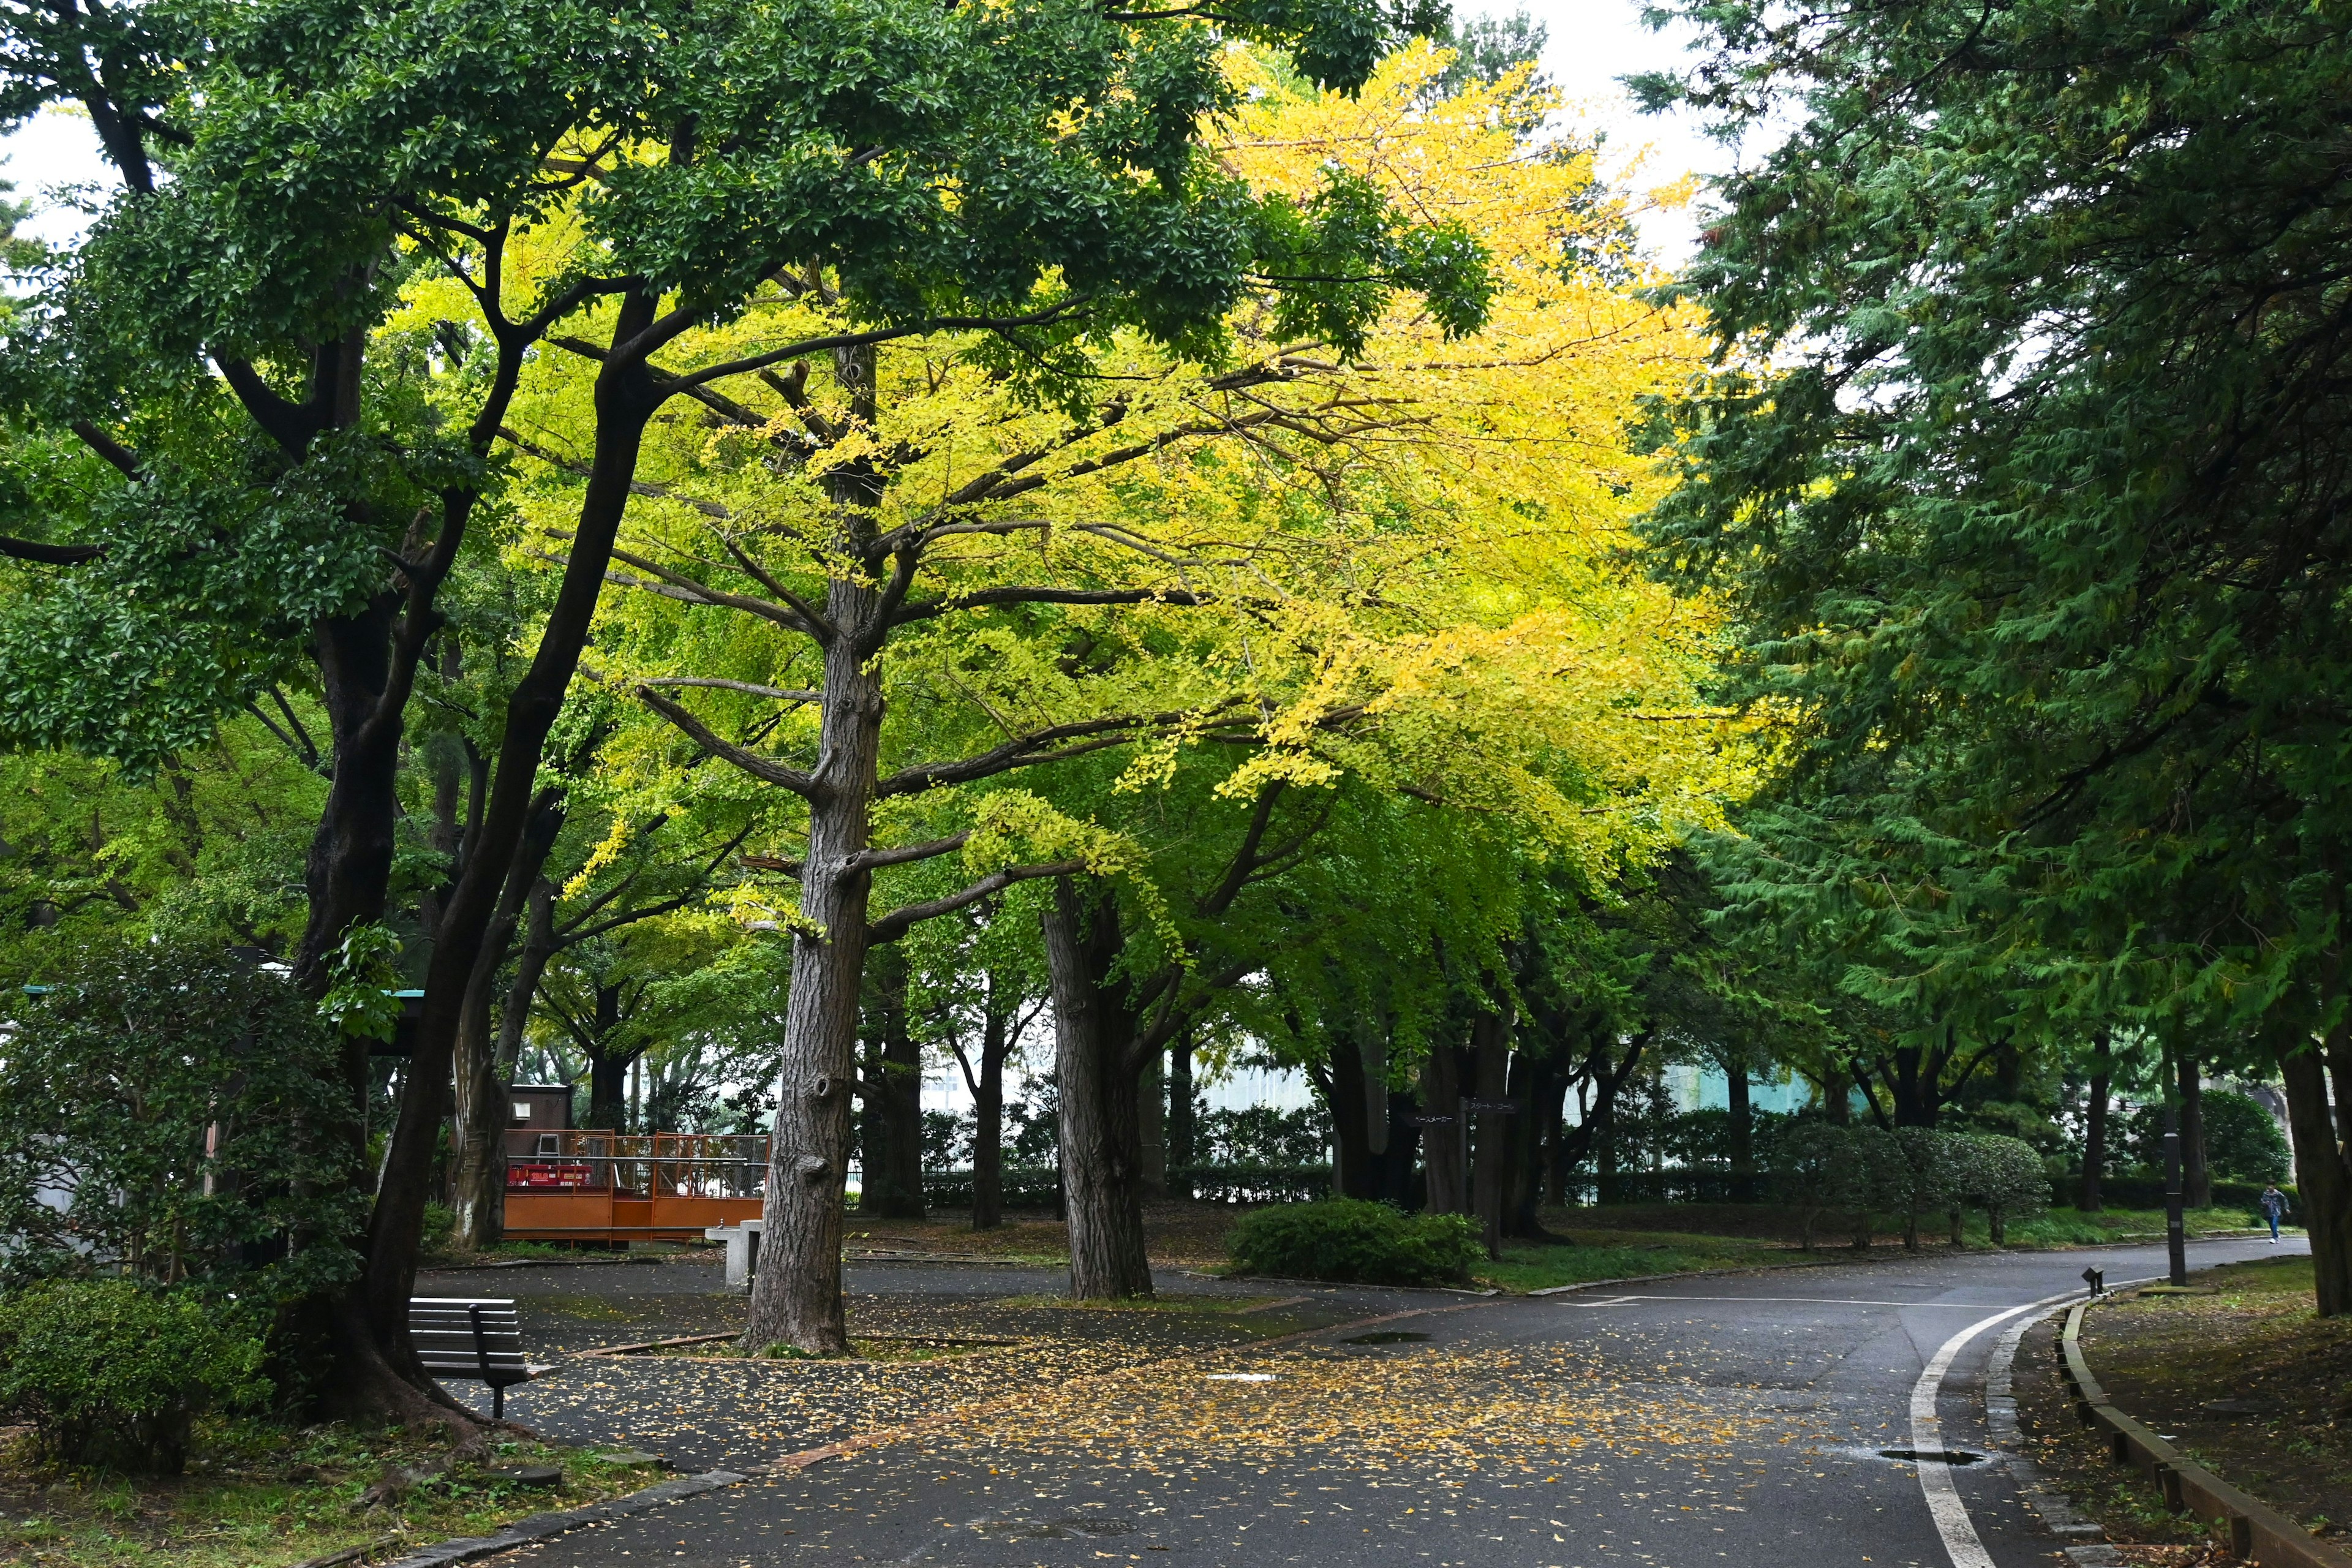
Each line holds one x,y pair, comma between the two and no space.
619,1186
664,1165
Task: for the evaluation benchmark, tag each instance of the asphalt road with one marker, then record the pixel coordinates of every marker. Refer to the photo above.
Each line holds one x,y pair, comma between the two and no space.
1728,1420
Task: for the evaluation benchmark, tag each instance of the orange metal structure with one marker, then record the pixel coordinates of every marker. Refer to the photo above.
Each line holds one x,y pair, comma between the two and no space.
587,1185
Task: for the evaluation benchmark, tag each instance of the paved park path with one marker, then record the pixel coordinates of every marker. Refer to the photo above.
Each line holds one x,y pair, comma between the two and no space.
1728,1420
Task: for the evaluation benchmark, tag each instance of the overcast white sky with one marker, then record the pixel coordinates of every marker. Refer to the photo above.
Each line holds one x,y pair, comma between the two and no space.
1593,43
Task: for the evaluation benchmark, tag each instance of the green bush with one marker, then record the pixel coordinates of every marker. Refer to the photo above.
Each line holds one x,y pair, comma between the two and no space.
113,1374
1356,1243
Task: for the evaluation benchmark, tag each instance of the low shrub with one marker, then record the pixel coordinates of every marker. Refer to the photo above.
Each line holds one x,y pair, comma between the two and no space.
1353,1242
113,1374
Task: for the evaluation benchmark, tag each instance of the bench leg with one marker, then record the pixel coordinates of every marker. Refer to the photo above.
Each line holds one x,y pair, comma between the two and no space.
498,1401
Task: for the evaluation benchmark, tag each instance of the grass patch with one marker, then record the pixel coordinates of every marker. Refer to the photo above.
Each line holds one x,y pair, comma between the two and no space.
1619,1255
2072,1227
258,1495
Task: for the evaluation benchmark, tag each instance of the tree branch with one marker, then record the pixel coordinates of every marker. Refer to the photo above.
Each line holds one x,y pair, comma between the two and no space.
906,854
1024,751
47,554
894,925
762,768
781,694
984,596
106,447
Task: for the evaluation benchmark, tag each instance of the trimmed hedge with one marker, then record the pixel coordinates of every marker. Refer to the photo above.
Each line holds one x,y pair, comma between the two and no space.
113,1374
1356,1243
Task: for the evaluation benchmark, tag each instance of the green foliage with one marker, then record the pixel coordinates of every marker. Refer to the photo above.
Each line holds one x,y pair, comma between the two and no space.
361,975
1261,1135
1989,417
110,1373
2002,1176
1354,1242
171,1111
2242,1140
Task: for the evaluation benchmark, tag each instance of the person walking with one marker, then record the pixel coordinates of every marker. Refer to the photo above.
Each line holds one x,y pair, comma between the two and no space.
2274,1203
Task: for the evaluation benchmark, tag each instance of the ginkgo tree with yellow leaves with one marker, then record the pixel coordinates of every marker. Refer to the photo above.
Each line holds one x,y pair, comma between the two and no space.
915,584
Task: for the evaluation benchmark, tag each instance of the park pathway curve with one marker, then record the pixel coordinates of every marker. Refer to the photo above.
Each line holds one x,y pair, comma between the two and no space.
1736,1420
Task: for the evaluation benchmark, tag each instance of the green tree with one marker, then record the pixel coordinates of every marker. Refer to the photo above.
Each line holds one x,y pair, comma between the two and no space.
2025,469
294,172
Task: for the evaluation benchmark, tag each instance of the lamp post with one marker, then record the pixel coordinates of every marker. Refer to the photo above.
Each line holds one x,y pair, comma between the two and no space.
2176,1230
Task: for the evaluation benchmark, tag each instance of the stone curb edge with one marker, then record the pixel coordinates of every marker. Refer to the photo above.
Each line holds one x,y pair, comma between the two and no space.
2255,1529
2053,1507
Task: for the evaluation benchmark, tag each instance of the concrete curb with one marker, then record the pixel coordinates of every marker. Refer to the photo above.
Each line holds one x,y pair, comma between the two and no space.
2255,1529
541,1526
2052,1506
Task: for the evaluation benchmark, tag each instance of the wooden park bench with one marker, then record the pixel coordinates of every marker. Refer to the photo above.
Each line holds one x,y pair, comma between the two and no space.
478,1337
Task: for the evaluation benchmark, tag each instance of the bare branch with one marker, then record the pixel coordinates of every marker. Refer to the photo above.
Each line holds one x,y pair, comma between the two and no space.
894,925
1041,746
47,554
781,694
906,854
765,769
984,596
106,447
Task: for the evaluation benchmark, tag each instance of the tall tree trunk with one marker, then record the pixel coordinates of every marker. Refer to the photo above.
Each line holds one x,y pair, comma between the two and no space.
796,1298
1151,1130
1532,1080
1743,1132
1183,1124
1444,1139
624,401
608,1068
987,1088
1912,1084
2196,1172
894,1182
1403,1157
1354,1172
1490,1047
479,1071
2323,1177
1837,1095
2094,1126
1101,1156
1603,1138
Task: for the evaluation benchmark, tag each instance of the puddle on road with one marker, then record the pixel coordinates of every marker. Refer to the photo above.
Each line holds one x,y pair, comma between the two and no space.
1390,1337
1940,1456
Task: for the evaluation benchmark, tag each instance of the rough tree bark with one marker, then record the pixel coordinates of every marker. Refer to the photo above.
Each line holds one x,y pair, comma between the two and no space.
894,1160
1095,1080
796,1295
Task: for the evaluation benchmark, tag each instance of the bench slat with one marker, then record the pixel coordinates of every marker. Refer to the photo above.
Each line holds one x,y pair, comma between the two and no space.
464,1336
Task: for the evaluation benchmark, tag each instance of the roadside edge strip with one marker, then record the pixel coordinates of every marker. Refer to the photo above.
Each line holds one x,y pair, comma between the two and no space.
2254,1529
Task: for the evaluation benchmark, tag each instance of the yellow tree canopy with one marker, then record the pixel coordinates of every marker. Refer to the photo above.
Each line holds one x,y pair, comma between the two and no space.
1413,564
